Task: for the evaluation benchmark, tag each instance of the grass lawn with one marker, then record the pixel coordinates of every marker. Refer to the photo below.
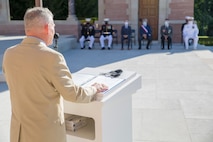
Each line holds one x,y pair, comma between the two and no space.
206,40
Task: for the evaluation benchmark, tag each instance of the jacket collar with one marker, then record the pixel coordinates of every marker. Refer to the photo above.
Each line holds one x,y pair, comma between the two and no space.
33,40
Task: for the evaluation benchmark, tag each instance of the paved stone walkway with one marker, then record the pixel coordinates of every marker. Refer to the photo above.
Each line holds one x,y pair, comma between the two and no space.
175,101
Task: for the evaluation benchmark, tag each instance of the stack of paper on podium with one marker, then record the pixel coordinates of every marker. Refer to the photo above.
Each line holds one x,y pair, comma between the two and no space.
81,78
108,81
75,122
87,80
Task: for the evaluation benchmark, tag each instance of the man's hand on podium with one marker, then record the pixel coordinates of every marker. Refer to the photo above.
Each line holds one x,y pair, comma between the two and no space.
100,87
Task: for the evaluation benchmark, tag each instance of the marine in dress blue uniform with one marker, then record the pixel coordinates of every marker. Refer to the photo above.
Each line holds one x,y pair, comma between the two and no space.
106,34
87,33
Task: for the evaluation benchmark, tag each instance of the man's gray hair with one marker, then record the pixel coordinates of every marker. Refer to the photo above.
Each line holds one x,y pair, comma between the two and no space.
37,16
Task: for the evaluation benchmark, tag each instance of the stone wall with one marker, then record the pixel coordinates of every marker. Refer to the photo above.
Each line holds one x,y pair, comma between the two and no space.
180,9
116,10
17,28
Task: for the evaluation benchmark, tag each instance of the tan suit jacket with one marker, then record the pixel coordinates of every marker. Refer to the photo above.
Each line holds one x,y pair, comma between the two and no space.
38,79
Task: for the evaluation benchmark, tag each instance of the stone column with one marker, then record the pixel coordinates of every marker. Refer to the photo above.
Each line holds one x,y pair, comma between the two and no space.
133,16
71,11
4,11
38,3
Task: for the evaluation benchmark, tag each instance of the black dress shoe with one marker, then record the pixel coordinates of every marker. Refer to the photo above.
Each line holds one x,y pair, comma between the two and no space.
139,48
89,48
109,48
82,47
102,48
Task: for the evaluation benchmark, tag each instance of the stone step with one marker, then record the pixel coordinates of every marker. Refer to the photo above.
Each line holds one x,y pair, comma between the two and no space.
65,43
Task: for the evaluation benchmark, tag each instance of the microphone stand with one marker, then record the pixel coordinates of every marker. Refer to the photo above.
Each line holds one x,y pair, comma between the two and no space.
56,36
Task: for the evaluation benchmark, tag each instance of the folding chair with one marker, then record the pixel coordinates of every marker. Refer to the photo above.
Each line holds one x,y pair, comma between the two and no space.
115,36
166,41
133,36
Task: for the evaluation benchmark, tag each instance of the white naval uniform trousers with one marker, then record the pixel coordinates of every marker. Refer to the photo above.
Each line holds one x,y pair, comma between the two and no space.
190,31
91,41
108,37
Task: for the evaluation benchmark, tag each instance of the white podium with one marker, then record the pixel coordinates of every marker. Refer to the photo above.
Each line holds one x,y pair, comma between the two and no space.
111,117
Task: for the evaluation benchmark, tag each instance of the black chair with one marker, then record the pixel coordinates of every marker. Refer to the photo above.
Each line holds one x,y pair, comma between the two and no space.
115,36
125,40
97,35
133,37
190,42
144,42
86,42
166,41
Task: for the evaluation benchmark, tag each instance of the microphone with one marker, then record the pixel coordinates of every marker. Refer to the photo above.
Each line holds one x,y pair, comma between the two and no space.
56,36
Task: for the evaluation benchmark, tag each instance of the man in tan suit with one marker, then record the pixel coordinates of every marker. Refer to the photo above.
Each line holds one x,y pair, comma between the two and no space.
39,79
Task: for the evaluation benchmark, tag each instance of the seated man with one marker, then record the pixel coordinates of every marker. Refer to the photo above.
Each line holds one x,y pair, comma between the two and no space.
166,34
125,34
106,33
190,31
87,33
145,32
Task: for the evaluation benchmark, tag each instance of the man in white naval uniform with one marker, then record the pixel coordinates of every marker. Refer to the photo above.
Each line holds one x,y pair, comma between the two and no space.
190,31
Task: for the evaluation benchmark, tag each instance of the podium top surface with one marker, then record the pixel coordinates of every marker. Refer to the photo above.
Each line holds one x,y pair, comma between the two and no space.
88,76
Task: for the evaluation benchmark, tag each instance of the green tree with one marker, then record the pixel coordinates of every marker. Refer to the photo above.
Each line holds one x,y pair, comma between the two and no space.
204,16
83,8
18,8
58,7
86,8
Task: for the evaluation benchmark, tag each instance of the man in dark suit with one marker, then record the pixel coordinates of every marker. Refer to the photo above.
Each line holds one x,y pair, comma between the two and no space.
125,34
166,34
145,33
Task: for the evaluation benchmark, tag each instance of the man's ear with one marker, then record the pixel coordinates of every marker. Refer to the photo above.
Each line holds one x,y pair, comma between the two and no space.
46,28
